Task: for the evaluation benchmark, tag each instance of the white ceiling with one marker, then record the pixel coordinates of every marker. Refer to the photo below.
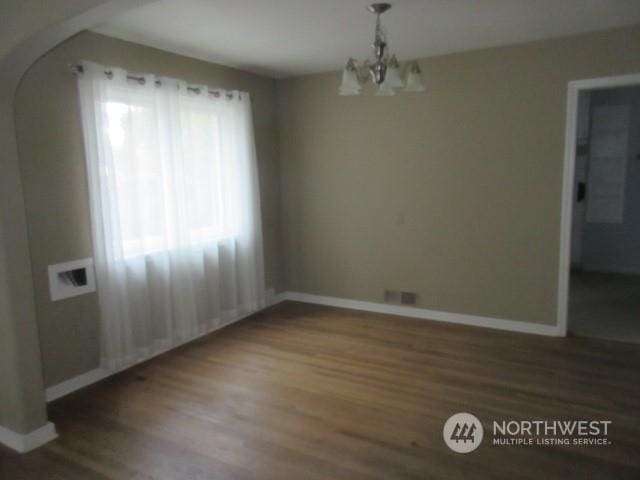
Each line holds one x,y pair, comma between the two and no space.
282,38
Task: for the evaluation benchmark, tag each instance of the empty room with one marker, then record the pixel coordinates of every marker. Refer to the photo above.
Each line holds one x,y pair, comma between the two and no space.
319,239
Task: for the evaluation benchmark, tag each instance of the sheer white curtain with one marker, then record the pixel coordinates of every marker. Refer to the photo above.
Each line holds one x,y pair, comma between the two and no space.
175,210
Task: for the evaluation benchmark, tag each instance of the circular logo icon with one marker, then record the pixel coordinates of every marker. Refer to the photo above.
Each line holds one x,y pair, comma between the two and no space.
462,432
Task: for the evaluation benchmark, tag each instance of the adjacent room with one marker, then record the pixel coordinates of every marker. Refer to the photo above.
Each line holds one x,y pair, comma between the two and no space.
605,258
319,239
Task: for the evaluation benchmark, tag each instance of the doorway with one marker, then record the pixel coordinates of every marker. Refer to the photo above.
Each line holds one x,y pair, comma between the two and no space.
601,216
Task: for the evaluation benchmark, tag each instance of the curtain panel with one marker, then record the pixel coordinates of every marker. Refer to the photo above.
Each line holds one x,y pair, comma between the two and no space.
175,210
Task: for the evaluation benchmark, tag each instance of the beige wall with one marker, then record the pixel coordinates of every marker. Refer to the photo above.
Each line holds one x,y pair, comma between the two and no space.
454,194
55,188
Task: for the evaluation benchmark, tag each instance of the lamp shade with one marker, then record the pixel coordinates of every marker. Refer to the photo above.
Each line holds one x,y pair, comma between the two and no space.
350,83
414,79
393,78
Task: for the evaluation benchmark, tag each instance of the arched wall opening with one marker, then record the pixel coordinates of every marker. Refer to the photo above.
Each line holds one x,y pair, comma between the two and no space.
34,28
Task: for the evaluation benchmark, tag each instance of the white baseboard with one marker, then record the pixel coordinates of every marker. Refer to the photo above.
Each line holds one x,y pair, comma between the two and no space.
76,383
464,319
25,442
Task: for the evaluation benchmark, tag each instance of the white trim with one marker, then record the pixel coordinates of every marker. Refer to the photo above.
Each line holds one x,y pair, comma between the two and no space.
25,442
602,83
464,319
574,88
76,383
92,376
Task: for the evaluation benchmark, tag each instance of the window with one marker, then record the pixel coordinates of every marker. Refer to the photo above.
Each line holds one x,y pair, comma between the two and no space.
173,183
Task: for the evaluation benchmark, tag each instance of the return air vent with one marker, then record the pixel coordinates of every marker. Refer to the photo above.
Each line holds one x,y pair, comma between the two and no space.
408,298
404,298
390,296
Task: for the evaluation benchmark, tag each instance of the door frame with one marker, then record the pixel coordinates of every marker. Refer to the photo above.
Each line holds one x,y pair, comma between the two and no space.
566,216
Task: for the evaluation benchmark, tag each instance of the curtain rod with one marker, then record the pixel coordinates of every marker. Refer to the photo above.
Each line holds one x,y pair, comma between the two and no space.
77,69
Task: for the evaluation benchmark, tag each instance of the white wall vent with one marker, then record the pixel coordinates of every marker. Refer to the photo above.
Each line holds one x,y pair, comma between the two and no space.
70,279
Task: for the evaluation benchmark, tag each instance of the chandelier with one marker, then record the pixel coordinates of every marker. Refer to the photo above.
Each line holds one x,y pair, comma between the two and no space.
384,70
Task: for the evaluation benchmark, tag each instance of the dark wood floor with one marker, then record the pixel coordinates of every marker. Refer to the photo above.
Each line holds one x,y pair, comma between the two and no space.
308,392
